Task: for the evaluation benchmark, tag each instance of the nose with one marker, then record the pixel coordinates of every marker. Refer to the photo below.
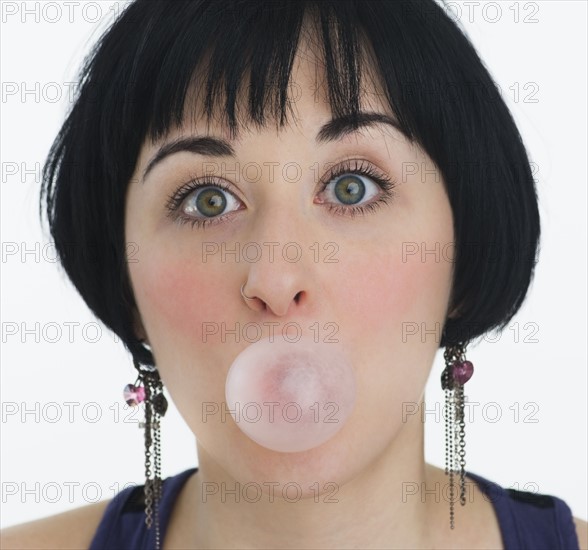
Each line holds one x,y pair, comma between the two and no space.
279,302
279,281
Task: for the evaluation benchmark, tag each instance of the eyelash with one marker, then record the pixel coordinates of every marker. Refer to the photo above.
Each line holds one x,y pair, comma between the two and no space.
360,167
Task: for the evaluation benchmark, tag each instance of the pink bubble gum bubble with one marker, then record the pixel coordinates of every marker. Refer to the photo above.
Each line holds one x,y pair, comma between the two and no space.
291,396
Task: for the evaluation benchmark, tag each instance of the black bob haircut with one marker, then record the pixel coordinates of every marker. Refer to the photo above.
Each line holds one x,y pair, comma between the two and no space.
134,84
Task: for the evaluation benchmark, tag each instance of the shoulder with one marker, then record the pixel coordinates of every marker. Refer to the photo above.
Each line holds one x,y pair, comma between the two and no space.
72,529
582,532
540,519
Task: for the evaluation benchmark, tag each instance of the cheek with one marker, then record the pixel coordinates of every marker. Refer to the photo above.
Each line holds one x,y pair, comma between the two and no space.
178,297
183,304
393,298
394,315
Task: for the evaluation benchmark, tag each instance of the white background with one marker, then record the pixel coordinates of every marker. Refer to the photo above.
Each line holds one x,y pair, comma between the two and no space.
49,465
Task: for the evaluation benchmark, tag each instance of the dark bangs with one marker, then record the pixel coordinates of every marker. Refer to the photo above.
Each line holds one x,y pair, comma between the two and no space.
242,47
134,86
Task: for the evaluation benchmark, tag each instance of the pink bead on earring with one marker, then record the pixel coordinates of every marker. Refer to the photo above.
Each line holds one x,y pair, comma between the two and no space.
134,393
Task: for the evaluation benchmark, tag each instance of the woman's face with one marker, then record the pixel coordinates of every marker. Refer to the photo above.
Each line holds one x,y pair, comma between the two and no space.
378,282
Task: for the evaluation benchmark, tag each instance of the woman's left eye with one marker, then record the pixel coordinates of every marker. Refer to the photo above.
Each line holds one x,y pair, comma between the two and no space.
349,187
202,203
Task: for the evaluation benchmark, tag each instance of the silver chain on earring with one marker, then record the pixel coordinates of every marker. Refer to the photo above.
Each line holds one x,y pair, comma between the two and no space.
148,388
456,373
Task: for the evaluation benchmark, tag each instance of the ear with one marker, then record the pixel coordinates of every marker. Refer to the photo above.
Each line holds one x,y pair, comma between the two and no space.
454,312
138,327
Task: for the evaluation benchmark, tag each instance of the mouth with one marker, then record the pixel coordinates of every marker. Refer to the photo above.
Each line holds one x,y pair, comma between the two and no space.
288,396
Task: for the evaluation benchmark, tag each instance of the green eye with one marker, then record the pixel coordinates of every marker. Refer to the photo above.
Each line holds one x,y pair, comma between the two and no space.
208,201
349,189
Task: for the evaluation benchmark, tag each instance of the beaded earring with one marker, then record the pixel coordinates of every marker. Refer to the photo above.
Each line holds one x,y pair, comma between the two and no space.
456,373
148,389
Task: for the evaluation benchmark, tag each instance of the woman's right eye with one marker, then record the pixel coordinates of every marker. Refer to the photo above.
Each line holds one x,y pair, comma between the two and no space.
208,201
201,203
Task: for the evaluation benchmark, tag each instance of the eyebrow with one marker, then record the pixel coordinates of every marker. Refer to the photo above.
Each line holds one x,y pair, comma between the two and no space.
333,130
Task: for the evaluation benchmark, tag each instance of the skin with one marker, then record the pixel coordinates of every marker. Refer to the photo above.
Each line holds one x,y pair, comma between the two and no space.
369,294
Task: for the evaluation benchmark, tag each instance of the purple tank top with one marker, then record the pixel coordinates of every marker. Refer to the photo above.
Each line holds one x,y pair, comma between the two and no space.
527,520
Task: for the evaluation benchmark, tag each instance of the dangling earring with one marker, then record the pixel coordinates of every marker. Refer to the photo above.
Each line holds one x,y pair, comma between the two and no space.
456,373
148,388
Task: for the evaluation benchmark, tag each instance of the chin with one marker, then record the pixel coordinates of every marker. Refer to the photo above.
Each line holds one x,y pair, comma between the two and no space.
323,469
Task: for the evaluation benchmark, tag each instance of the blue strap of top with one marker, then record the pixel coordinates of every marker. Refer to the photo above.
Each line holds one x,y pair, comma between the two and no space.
123,523
527,520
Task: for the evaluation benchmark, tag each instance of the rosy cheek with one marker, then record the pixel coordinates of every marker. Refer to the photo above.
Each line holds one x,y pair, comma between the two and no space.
379,292
390,297
179,298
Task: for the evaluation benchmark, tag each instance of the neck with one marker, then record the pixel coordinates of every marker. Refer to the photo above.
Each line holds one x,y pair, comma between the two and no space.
384,505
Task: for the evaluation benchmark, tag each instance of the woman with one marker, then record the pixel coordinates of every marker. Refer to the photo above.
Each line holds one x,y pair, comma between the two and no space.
388,99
